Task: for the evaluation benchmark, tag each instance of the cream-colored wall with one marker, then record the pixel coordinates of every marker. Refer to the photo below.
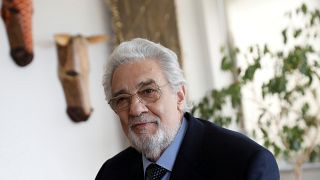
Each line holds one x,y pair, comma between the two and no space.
37,139
202,32
196,63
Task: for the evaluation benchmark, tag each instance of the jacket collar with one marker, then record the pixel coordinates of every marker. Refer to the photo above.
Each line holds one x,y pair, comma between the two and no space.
188,159
135,167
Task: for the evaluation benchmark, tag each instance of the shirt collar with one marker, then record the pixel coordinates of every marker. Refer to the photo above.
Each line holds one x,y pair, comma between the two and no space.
168,157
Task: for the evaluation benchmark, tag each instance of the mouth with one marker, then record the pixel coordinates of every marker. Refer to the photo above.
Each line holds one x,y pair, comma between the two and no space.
142,125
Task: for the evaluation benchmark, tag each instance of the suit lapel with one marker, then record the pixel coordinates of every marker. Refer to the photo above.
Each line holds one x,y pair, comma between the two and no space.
137,172
188,160
136,168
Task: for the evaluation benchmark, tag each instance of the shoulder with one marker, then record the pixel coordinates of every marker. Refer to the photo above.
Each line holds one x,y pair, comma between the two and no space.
227,138
230,145
117,165
220,138
217,143
263,164
228,150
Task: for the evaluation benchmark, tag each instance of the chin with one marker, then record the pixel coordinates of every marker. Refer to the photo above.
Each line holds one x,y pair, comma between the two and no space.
152,144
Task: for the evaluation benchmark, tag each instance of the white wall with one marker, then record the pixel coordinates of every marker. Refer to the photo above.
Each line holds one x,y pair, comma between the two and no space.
202,32
196,63
37,139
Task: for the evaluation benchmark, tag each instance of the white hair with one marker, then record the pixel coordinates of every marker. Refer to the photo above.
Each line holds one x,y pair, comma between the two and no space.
141,49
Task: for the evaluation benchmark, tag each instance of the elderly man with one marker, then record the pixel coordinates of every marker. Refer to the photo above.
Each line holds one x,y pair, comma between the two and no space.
145,87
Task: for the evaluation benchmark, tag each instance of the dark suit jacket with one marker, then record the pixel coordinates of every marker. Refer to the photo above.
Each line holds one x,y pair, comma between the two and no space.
207,152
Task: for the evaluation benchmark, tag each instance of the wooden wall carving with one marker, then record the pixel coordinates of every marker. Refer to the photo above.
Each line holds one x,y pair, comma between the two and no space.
73,69
17,16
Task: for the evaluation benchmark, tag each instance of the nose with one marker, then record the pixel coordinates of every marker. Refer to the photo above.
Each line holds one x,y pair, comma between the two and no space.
78,114
21,56
136,106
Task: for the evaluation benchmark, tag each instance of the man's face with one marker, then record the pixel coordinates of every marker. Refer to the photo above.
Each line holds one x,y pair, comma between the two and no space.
146,120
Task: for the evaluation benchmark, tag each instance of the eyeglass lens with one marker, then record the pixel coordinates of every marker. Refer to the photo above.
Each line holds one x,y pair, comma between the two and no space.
147,93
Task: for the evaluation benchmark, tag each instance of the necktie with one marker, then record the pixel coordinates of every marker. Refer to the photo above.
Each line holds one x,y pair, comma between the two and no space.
155,172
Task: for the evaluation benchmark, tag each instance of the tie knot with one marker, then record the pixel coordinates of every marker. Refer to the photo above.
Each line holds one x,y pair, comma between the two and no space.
155,172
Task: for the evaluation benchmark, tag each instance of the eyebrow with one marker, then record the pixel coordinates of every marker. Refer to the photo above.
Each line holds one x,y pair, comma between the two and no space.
138,86
144,83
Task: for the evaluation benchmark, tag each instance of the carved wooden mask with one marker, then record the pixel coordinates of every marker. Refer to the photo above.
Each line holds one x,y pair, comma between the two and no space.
73,71
17,16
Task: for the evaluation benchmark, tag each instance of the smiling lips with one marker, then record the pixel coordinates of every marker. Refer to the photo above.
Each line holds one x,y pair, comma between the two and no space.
141,125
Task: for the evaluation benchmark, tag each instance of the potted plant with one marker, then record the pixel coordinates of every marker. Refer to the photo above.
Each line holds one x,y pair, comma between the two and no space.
287,99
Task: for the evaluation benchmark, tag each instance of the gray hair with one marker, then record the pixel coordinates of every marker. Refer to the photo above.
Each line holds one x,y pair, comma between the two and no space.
141,49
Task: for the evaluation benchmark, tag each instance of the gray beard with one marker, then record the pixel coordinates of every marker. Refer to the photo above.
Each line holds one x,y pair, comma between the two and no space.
152,145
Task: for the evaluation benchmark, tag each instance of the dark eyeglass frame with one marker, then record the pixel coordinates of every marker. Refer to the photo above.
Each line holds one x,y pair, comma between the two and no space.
144,99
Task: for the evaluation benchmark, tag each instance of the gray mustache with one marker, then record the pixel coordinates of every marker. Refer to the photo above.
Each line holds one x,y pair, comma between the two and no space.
143,118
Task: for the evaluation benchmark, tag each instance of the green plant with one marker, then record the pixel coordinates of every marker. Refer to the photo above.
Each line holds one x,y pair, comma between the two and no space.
288,99
212,105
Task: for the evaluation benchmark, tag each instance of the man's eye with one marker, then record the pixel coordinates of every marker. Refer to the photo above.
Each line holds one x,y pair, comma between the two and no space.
121,100
148,92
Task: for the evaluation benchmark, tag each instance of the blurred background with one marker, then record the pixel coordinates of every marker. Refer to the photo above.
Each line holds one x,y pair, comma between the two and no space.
37,138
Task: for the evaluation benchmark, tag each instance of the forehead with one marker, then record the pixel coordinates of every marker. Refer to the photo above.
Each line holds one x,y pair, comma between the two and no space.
129,76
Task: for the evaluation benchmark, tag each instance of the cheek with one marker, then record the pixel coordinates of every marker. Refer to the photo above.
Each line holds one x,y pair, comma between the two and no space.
159,109
165,109
124,123
170,104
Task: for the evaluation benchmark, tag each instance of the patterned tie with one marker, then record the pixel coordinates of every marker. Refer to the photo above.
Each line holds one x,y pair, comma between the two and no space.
155,172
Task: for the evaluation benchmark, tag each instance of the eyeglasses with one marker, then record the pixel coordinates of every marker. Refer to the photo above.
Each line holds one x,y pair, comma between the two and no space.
148,93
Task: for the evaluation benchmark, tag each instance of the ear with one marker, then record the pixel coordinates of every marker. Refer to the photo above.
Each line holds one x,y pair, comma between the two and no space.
62,39
96,39
181,97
